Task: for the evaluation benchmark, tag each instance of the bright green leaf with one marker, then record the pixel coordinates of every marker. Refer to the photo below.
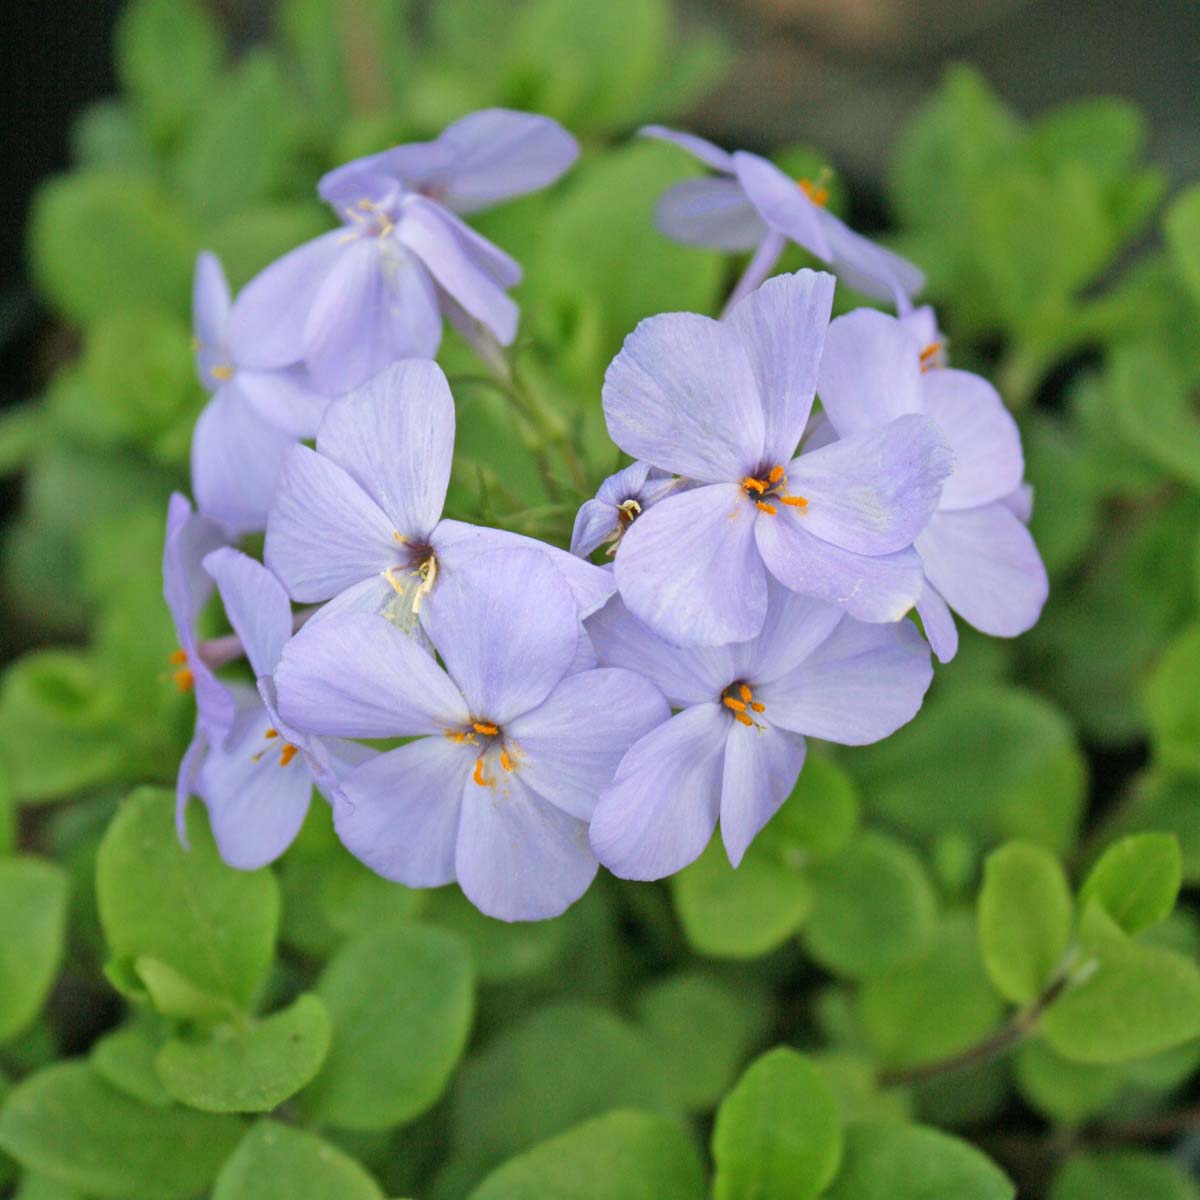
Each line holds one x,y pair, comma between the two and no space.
1122,1175
1181,227
1173,703
1065,1092
33,917
1136,880
124,1059
1155,411
1165,800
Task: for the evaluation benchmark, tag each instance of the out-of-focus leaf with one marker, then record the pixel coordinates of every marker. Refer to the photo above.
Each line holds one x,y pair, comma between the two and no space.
1063,1091
105,134
1181,227
1163,800
1122,1175
1136,880
252,238
1173,703
21,427
124,1059
33,918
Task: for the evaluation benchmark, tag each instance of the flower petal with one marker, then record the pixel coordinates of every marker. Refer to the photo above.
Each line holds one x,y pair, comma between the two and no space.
794,627
285,398
711,212
782,329
360,677
186,586
872,492
988,463
861,684
402,811
682,395
185,779
690,568
568,748
519,858
211,303
661,810
256,605
782,203
707,152
761,768
870,372
324,533
985,564
867,267
940,630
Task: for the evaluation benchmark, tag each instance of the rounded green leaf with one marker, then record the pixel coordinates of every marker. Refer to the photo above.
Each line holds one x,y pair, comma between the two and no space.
67,1123
873,907
1026,914
1182,230
401,1000
778,1134
277,1162
1123,1175
1173,700
33,917
1136,880
252,1069
623,1155
1065,1092
125,1059
910,1162
204,922
1166,801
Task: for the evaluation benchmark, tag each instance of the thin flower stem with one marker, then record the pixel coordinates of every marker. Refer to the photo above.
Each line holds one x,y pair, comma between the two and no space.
997,1043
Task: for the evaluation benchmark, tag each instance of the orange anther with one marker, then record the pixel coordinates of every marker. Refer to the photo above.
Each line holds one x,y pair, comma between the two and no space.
506,762
485,728
763,506
794,501
736,705
177,656
817,194
745,692
287,753
757,707
223,372
184,680
929,355
271,733
478,775
745,720
776,475
754,485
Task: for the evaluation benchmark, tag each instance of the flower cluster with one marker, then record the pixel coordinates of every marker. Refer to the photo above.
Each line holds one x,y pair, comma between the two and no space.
482,707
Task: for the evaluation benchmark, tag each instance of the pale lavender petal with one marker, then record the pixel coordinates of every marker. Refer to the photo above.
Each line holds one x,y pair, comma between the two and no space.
256,605
236,461
861,684
691,570
761,768
682,395
498,153
186,587
872,588
762,263
922,324
285,398
568,748
986,566
376,306
266,326
820,432
596,522
1020,502
357,187
707,152
782,328
324,533
394,436
484,253
711,212
380,598
988,463
185,779
331,760
600,520
255,805
519,858
416,166
782,203
360,677
426,231
871,492
211,303
795,626
870,372
868,267
661,810
402,811
938,622
507,629
585,658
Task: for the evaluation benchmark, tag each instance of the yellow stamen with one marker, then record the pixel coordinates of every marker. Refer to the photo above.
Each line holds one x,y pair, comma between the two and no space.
223,372
177,656
794,501
929,355
271,733
400,537
745,692
287,754
745,720
391,578
763,506
775,475
184,680
756,706
428,572
460,736
736,705
478,775
506,762
754,485
485,728
817,194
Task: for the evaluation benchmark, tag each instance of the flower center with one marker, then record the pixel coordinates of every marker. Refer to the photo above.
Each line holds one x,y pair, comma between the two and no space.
766,489
817,190
368,218
488,737
739,699
422,569
627,512
287,751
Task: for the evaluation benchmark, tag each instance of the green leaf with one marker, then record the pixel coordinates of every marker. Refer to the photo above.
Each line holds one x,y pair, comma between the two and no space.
33,918
65,1122
1122,1175
1165,800
21,428
143,260
8,814
778,1134
401,1000
277,1162
1105,131
873,907
1181,228
202,920
1154,410
1173,705
910,1162
105,134
620,1156
42,1187
1064,1092
1026,915
249,1070
168,58
1129,1001
1136,880
125,1058
251,239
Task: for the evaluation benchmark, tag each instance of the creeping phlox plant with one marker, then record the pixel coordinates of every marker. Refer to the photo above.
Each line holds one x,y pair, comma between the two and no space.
479,706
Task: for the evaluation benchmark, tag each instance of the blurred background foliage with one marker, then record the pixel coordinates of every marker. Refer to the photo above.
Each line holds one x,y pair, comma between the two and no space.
909,899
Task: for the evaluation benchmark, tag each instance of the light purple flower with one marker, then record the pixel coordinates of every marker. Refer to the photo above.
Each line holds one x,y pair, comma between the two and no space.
750,204
977,555
359,519
736,747
511,747
725,404
353,301
252,418
620,500
257,784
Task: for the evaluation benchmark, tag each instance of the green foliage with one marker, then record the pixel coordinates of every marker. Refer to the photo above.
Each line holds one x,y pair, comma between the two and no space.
33,917
1173,705
1136,880
1122,1175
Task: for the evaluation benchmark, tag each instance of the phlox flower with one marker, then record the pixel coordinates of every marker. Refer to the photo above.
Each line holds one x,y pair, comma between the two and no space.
252,418
750,204
354,300
976,553
511,747
724,403
359,518
258,782
618,502
735,748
